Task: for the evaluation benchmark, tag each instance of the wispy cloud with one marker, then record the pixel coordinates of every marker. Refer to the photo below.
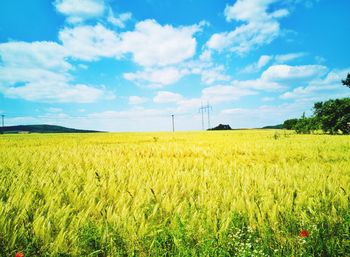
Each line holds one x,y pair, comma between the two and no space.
119,20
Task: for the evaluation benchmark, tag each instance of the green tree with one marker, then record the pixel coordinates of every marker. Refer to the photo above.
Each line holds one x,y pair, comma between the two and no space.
333,115
306,125
346,82
290,124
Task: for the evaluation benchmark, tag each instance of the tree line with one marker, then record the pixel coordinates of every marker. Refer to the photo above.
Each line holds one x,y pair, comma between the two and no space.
332,116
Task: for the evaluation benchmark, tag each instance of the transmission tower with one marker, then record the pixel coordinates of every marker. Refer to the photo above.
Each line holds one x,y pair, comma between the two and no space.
206,108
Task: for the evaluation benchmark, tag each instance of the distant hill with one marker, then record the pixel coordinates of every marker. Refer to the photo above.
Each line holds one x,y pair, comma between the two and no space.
221,127
279,126
41,129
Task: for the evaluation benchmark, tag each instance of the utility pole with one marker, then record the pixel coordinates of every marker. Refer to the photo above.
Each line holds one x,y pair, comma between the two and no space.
172,119
207,108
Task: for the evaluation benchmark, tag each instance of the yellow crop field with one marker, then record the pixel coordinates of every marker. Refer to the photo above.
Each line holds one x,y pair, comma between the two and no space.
232,193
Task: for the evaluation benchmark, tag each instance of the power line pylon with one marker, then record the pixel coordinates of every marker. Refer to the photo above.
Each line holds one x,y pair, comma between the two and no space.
206,108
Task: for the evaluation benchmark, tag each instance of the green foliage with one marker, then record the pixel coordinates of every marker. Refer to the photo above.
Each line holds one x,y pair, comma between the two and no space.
221,127
278,126
289,124
334,115
306,125
346,82
41,129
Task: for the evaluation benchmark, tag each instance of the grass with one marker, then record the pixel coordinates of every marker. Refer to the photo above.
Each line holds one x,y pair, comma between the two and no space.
228,193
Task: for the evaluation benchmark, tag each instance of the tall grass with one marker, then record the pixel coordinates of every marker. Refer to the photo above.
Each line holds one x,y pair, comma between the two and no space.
240,193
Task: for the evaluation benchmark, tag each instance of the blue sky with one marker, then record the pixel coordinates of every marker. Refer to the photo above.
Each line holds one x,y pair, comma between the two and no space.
129,65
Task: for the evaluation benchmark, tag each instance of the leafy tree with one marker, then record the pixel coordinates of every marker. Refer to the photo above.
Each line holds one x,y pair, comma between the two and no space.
306,125
346,82
333,115
290,124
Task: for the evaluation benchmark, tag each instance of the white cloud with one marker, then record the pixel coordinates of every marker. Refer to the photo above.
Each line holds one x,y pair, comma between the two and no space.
266,59
258,84
78,11
167,97
263,115
38,71
255,67
260,26
54,92
154,76
152,44
289,73
243,10
245,37
120,20
189,104
90,42
131,114
46,55
320,89
213,74
220,94
283,58
137,100
263,61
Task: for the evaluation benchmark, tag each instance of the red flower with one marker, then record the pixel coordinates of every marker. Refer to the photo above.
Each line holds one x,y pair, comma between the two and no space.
304,233
19,254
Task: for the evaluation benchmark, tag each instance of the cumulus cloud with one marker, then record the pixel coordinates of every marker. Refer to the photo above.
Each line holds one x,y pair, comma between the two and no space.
276,59
320,88
46,55
260,26
78,11
53,92
289,73
38,71
90,43
152,44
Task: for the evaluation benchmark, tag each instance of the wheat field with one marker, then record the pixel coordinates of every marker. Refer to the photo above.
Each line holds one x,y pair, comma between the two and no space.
232,193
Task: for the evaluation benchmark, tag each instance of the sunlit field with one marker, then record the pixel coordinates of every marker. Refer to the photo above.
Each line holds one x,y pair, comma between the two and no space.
236,193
